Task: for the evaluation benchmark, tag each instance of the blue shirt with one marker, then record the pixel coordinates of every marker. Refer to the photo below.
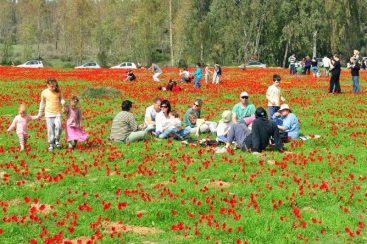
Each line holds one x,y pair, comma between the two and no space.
291,125
186,117
198,73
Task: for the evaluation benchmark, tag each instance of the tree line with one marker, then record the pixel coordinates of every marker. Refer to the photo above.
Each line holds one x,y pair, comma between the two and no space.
180,32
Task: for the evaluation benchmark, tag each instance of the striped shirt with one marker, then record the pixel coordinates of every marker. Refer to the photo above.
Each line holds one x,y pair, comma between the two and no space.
122,125
292,59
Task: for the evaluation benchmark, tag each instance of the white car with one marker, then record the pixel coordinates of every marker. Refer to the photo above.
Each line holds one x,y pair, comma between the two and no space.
89,65
125,65
255,64
32,64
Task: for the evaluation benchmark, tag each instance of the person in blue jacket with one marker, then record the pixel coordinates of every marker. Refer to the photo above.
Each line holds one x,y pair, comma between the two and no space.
198,75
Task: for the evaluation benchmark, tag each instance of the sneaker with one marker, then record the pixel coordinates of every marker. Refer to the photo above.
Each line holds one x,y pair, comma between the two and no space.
50,148
57,144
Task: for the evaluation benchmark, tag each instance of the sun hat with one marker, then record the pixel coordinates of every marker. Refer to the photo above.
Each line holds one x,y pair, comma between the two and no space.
226,116
285,107
244,94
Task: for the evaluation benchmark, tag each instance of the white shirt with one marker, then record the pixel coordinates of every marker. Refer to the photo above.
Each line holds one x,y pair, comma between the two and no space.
150,113
273,95
223,128
161,121
175,123
326,62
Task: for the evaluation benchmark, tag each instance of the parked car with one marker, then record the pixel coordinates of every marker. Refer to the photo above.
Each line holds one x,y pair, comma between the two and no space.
125,65
255,64
89,65
32,64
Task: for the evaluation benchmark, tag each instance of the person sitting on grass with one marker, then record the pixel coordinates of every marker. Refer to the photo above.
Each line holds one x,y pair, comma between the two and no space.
171,86
224,125
287,121
168,123
150,114
124,126
130,76
243,109
193,121
186,76
263,130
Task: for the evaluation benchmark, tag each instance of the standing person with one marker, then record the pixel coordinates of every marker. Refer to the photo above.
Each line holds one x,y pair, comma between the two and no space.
198,75
308,63
20,123
243,109
335,75
356,55
354,68
274,96
326,64
193,114
207,74
292,64
124,127
150,115
217,73
263,130
51,105
157,72
74,119
288,121
314,68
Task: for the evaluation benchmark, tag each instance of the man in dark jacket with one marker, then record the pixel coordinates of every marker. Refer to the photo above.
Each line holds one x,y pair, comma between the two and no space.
263,130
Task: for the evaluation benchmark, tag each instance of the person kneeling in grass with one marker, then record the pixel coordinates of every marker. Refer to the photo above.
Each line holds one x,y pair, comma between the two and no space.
124,126
287,121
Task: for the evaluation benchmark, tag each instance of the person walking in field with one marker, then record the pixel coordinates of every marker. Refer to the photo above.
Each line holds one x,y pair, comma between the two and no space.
292,64
198,75
157,72
74,132
20,123
326,64
217,74
51,105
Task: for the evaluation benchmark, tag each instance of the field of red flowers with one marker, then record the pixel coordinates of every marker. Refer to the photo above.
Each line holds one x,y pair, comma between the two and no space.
163,191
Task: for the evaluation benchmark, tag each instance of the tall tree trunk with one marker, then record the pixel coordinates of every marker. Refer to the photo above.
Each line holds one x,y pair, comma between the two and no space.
314,53
170,32
286,53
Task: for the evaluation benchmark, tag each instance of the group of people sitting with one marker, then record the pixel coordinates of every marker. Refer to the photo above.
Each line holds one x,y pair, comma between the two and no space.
245,127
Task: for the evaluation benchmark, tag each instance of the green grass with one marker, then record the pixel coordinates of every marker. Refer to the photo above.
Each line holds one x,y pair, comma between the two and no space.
163,176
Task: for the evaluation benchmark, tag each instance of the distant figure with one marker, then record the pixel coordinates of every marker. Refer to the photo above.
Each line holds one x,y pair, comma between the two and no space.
138,65
157,72
185,75
130,76
198,75
242,67
314,68
335,75
292,64
354,69
326,64
307,65
217,73
207,74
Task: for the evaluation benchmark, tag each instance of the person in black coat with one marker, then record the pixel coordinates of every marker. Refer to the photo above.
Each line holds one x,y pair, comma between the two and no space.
335,75
263,130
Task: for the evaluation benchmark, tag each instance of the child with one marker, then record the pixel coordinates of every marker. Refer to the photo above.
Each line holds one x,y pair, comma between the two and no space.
207,74
174,127
224,126
74,118
217,74
198,75
51,105
20,124
274,96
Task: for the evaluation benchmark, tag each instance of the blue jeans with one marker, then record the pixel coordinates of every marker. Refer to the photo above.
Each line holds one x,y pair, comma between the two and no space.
173,132
272,111
356,87
292,69
197,82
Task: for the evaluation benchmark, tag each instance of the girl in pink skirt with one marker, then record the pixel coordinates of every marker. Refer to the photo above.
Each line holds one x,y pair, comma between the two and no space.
74,118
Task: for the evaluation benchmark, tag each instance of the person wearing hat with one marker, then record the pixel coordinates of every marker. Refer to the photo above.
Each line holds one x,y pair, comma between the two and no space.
274,96
288,121
263,130
224,126
243,109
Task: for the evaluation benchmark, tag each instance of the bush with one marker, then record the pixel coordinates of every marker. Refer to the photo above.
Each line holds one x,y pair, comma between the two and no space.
100,92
